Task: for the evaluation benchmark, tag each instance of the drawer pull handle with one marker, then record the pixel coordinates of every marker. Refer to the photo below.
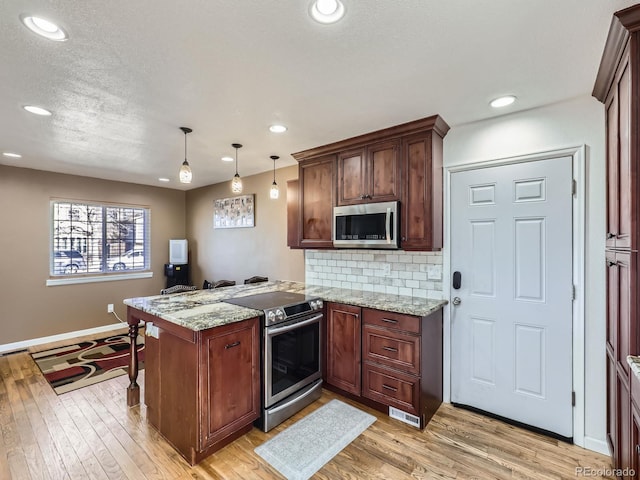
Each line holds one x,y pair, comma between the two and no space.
390,349
638,449
389,320
387,387
231,345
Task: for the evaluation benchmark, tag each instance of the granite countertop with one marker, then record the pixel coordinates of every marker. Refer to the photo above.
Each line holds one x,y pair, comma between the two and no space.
634,363
203,309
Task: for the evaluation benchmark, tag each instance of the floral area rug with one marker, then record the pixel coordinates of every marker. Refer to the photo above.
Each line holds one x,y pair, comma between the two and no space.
86,363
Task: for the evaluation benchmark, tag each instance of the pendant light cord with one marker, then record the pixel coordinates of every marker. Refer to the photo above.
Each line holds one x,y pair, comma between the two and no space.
236,160
185,146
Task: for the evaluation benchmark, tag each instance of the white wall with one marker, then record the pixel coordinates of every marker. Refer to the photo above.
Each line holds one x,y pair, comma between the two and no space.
567,124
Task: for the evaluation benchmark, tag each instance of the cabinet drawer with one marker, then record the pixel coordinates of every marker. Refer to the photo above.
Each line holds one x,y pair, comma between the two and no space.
399,321
395,349
390,387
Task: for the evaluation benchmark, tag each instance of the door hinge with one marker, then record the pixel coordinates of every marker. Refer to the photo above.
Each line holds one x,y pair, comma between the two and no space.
574,187
573,399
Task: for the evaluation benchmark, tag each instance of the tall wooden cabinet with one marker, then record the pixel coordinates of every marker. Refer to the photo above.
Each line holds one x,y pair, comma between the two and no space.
618,87
401,163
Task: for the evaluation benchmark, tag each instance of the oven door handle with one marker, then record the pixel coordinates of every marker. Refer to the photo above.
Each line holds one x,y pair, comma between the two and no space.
293,326
294,400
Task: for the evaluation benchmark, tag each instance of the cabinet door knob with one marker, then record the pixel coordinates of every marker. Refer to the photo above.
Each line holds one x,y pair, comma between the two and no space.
610,235
611,264
362,197
638,449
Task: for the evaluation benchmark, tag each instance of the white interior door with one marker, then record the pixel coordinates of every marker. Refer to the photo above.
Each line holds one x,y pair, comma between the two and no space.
511,333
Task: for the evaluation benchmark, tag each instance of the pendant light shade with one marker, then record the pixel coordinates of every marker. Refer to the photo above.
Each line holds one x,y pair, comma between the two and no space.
185,169
236,183
274,193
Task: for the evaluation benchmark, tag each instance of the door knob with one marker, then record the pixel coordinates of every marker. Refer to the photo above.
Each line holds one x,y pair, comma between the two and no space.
456,301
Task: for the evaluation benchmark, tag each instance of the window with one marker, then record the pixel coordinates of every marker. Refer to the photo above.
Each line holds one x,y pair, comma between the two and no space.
92,238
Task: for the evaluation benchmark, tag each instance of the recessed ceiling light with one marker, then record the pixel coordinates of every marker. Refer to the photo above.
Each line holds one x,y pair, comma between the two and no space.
227,159
37,110
164,179
44,28
277,128
327,11
502,101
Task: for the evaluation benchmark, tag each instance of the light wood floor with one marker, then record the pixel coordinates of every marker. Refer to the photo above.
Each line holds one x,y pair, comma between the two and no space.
90,433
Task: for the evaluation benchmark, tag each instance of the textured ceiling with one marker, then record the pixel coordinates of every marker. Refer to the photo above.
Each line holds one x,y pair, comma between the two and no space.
133,72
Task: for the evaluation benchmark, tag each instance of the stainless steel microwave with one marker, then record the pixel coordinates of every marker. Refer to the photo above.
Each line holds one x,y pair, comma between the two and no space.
370,225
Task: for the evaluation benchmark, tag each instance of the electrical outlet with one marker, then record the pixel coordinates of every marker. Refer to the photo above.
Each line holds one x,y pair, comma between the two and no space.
109,307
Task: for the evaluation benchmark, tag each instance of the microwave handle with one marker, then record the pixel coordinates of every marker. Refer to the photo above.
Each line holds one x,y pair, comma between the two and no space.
388,225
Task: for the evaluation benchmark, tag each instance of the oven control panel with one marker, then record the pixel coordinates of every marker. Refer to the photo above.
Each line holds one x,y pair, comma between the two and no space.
288,312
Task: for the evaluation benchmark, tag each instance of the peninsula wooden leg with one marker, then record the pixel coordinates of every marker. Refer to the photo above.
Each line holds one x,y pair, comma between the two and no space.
133,390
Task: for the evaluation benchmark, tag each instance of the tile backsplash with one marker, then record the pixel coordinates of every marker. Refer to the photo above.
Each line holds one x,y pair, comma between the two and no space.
416,274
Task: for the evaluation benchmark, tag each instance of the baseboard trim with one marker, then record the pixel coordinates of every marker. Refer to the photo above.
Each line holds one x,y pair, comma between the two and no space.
596,445
16,346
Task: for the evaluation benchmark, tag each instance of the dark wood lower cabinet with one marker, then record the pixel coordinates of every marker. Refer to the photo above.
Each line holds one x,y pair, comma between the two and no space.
635,441
612,417
623,401
397,364
202,388
343,347
230,362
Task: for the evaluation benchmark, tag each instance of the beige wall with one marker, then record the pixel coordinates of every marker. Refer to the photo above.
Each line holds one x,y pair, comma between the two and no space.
28,308
239,253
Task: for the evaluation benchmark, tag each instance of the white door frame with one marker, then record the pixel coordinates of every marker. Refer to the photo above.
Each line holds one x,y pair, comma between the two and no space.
578,155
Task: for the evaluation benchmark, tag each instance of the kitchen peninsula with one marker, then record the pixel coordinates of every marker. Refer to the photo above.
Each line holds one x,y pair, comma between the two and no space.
202,364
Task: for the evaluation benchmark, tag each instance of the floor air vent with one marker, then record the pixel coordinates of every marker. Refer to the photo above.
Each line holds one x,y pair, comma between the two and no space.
404,417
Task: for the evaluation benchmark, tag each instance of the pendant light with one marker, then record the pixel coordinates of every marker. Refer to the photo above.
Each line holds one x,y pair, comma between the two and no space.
274,193
236,183
185,169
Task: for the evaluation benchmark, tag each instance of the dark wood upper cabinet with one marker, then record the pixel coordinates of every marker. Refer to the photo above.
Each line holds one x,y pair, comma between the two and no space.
351,177
293,211
618,87
399,163
317,198
370,174
421,208
619,166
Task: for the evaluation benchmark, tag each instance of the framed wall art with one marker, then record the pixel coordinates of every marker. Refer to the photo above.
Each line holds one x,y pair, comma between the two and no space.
234,212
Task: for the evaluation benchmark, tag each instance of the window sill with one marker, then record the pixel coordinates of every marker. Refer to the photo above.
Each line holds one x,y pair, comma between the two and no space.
52,282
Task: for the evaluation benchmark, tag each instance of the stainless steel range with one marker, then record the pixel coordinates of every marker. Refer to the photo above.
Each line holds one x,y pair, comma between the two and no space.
291,363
